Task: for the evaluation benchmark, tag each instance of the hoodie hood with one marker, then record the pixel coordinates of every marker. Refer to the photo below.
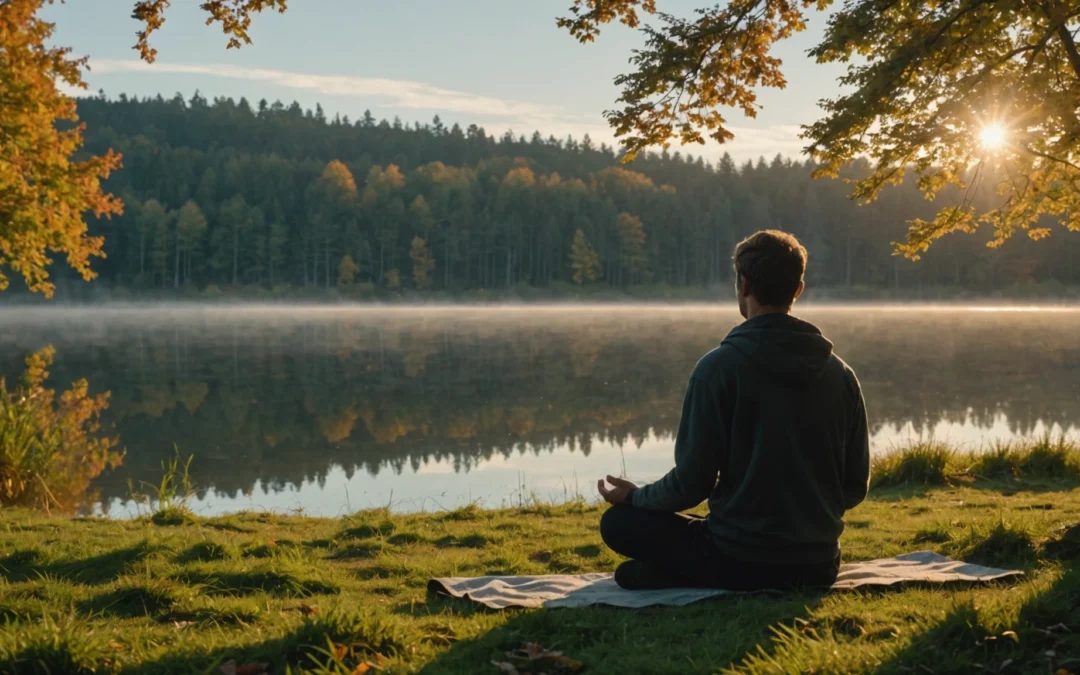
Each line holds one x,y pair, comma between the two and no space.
783,346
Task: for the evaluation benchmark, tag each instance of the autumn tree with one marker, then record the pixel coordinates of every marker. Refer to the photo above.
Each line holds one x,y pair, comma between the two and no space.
961,93
346,275
331,201
584,260
422,262
632,257
44,192
382,198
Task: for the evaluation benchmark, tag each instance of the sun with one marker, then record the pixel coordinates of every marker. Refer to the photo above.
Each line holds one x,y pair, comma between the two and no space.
993,136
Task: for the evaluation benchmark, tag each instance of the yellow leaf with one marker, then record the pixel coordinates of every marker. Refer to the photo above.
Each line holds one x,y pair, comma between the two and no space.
113,644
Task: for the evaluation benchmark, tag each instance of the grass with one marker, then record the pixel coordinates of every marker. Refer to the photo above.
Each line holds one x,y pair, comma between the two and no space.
330,595
1048,458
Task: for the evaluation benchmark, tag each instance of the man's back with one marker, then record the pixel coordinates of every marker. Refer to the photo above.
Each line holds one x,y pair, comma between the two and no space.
797,454
773,433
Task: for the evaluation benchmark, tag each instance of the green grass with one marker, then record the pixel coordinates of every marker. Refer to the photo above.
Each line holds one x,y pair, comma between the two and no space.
933,463
326,595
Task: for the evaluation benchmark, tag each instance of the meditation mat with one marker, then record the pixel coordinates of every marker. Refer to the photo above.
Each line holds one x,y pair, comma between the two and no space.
582,590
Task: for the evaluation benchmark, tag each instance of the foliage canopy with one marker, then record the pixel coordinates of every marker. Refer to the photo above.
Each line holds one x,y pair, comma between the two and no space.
925,80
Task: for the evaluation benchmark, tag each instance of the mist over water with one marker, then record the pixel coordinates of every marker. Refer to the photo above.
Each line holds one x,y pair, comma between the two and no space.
332,408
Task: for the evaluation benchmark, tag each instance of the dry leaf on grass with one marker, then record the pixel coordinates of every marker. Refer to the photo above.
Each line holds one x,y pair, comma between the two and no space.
230,668
113,644
539,657
305,609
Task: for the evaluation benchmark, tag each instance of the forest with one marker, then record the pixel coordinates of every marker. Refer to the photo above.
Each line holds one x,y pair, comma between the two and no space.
224,195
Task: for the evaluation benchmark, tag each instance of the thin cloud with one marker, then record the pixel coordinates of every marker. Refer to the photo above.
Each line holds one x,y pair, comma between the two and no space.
391,93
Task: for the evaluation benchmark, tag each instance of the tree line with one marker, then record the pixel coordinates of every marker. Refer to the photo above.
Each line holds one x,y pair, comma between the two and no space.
225,194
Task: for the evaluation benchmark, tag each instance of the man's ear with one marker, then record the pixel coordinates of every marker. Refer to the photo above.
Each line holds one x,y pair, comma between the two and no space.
799,290
744,286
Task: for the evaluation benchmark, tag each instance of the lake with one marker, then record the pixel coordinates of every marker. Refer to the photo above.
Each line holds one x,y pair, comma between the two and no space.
332,409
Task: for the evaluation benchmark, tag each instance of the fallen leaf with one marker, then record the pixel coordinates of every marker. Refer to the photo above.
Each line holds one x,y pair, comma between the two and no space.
340,651
362,668
1062,671
252,669
1011,634
505,667
180,625
113,644
305,609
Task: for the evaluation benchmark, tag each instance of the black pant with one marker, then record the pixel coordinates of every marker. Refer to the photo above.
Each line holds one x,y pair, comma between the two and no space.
677,550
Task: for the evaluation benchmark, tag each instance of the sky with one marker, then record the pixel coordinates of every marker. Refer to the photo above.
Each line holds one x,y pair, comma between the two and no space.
501,64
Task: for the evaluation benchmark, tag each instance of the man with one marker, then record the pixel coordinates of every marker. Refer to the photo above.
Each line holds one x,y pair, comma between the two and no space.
773,433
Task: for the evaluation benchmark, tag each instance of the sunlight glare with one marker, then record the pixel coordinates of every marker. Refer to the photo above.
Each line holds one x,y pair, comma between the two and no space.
993,137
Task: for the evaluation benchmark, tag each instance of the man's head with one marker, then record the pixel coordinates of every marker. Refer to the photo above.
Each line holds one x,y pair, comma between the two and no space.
769,267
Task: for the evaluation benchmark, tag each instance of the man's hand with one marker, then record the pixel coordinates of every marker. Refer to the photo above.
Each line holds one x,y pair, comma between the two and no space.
619,494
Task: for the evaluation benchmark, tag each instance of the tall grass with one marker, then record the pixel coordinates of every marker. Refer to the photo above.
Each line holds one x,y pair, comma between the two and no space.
932,463
50,447
168,499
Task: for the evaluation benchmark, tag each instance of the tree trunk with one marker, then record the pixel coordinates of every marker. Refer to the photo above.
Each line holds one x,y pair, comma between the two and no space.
235,255
176,272
327,262
847,263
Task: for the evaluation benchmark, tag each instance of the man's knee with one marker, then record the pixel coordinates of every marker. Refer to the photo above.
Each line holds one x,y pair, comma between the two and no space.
615,525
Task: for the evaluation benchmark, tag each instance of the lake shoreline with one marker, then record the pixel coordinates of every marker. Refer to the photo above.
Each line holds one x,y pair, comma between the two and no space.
1047,293
176,593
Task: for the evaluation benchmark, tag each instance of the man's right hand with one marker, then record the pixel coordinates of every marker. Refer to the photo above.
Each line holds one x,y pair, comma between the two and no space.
619,494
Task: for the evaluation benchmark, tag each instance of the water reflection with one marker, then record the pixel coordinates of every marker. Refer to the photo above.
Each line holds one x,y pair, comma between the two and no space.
328,409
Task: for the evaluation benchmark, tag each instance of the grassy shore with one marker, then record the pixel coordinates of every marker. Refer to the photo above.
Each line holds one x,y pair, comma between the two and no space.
252,592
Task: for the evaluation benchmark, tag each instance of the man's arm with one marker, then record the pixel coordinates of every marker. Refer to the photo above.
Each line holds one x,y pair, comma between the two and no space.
857,462
700,450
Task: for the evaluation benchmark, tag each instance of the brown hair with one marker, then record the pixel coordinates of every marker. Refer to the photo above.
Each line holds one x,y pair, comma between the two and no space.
774,263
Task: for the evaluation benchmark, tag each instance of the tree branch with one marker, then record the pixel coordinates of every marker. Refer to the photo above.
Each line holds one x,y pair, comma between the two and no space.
1070,47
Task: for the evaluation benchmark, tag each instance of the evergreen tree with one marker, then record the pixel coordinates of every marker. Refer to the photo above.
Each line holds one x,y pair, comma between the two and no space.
190,230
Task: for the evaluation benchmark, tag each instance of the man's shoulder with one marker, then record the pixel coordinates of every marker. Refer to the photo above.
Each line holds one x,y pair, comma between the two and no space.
846,372
716,362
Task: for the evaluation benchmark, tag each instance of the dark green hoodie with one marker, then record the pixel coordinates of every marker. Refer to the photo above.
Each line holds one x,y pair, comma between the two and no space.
774,434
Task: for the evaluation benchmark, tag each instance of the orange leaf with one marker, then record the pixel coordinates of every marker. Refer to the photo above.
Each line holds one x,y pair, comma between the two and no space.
113,644
362,668
340,651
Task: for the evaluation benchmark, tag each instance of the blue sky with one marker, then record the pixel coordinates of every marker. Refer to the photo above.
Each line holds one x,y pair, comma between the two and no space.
499,63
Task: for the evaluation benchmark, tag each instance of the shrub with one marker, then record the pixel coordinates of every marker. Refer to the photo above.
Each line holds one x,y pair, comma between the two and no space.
50,449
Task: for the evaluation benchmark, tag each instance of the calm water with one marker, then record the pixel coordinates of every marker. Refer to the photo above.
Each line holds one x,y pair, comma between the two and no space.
327,410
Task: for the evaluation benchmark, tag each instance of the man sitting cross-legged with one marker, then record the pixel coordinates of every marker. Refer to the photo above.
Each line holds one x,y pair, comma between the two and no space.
773,433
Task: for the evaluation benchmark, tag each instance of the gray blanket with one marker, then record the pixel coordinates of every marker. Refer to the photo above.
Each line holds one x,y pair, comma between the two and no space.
581,590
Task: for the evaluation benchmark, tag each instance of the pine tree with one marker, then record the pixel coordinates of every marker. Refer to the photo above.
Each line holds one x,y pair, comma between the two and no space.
190,229
584,260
